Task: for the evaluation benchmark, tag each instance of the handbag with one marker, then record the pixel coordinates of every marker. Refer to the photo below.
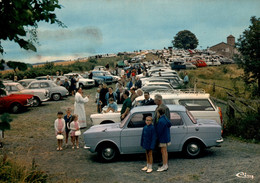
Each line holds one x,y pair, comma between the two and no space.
59,137
77,133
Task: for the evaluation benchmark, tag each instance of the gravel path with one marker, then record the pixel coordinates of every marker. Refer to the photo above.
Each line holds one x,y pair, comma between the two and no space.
32,137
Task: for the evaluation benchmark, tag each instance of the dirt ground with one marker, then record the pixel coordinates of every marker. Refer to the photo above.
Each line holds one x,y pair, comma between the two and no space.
32,137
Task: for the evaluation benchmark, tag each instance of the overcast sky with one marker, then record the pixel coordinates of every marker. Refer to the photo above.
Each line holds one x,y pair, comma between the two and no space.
111,26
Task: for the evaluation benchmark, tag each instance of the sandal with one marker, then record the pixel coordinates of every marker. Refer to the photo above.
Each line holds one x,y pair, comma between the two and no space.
58,149
72,147
77,147
61,149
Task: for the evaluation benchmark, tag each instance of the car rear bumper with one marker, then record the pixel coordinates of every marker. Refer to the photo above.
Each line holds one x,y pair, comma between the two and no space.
45,100
220,140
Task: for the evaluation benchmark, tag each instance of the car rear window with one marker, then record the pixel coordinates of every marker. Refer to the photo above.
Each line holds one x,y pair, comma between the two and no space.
197,104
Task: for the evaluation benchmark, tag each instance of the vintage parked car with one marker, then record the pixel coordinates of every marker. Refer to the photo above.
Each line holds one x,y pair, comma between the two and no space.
199,63
100,77
151,86
62,79
15,103
197,102
83,82
25,82
115,78
188,134
40,95
56,92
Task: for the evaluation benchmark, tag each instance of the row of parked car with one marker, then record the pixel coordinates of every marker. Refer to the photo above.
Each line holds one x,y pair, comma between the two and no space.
196,121
33,92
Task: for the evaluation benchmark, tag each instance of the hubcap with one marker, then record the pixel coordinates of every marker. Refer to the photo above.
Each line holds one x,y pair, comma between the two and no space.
108,153
35,102
56,96
15,108
193,148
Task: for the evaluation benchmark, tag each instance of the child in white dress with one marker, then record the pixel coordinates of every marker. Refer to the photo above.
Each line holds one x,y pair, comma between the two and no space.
59,126
74,126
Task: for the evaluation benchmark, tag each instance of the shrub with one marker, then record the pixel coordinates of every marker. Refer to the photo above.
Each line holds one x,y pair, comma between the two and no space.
246,127
10,171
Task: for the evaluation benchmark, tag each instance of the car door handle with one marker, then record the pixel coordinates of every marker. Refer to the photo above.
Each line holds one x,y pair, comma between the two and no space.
197,128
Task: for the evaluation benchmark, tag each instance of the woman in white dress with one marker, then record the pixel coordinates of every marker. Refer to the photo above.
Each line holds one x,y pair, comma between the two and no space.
79,108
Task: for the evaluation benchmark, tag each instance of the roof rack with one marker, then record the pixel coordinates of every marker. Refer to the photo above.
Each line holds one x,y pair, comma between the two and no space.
180,91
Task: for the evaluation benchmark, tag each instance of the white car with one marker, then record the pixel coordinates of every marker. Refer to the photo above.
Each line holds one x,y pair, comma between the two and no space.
99,68
198,103
40,95
83,82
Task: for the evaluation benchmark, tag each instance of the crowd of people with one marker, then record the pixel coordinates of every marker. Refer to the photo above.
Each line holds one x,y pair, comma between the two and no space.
156,133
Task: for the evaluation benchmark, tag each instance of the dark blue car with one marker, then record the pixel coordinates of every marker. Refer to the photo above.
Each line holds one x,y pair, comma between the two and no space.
100,77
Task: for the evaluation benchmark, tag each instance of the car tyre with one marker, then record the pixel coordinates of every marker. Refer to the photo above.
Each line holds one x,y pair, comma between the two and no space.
81,85
193,149
15,108
107,153
56,96
36,101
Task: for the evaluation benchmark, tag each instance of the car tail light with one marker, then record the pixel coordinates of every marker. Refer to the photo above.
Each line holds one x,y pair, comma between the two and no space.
221,118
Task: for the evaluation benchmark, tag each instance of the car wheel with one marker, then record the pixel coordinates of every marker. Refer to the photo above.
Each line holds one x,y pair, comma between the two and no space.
107,153
56,96
36,101
193,149
81,85
15,108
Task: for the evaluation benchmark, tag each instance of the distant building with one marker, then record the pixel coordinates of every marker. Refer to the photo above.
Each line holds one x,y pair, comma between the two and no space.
226,49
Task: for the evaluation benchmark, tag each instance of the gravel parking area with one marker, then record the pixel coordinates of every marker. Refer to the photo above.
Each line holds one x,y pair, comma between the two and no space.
32,137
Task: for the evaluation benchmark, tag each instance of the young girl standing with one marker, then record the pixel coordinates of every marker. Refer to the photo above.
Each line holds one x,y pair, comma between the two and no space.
59,125
148,142
74,126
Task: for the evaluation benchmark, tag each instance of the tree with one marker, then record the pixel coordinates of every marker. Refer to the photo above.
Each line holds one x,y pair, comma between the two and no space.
19,18
17,65
185,40
248,45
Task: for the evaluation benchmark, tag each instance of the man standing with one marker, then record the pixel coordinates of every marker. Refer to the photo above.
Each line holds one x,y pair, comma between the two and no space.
102,95
127,105
158,101
133,94
79,108
160,105
147,100
186,79
138,83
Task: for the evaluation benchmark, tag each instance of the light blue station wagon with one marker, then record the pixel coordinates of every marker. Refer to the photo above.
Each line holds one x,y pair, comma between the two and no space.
187,134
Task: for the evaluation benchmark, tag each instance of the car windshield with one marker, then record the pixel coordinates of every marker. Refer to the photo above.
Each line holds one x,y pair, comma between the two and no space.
108,73
123,122
20,87
98,74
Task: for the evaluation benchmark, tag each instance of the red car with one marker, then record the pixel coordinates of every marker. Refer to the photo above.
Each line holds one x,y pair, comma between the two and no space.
199,63
14,103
